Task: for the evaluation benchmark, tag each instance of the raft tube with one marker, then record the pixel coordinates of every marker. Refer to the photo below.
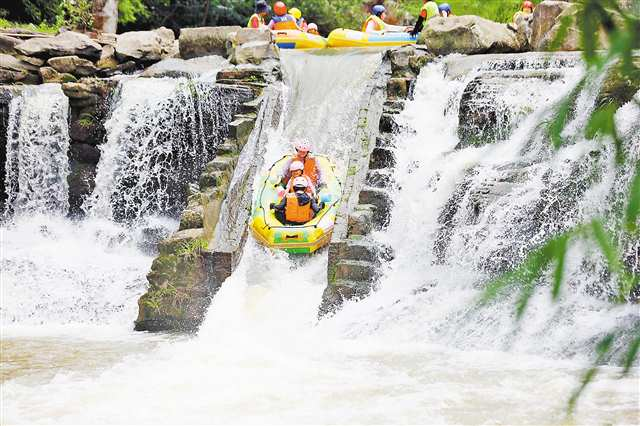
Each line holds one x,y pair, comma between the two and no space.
307,238
294,39
349,38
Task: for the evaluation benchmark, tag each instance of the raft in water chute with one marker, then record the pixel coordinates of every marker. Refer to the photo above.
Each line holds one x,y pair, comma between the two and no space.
349,38
307,238
294,39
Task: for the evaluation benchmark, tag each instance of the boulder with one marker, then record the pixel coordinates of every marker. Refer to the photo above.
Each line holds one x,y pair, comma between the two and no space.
73,65
206,41
619,88
8,44
13,70
545,17
145,46
468,35
36,62
50,75
107,58
64,44
254,52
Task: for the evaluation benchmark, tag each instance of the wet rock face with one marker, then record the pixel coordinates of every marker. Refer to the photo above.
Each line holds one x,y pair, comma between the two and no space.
65,44
469,35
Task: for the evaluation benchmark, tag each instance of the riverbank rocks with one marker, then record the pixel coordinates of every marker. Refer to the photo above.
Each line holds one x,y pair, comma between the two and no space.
145,46
206,41
468,35
65,44
73,65
175,67
252,46
13,70
8,44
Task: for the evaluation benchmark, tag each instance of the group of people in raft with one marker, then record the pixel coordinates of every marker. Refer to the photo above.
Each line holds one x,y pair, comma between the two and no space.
300,177
291,19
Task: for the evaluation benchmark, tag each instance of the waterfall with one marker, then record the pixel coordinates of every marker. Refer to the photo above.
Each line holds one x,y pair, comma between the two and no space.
160,134
464,214
37,144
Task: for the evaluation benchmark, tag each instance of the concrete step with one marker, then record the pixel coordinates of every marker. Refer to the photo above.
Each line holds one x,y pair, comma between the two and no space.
382,178
381,199
240,129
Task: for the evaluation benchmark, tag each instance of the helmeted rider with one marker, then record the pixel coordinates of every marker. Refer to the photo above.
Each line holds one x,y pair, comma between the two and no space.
429,10
300,21
258,19
445,10
282,20
525,10
313,29
375,23
297,207
296,169
311,169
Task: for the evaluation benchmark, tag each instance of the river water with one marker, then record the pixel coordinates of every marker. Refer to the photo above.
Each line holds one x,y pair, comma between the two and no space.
417,351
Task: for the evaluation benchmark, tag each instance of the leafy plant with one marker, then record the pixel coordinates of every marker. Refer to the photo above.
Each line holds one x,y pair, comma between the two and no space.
622,30
76,14
130,10
193,247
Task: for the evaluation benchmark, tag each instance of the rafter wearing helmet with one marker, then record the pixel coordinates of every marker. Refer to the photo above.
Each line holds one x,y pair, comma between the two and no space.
525,10
282,20
376,24
310,169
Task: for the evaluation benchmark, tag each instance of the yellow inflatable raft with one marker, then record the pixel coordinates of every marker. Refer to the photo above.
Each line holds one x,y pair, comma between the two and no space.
307,238
349,38
294,39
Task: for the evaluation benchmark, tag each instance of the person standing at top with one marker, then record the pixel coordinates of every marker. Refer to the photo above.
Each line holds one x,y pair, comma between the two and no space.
282,20
258,19
526,9
429,10
375,23
297,13
445,10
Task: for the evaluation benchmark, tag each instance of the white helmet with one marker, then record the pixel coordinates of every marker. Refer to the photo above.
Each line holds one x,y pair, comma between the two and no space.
312,26
300,182
302,145
296,165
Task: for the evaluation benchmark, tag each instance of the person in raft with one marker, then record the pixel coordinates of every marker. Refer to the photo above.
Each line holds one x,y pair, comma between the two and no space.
445,10
300,22
429,10
310,169
298,207
525,10
282,20
258,19
375,24
296,170
313,29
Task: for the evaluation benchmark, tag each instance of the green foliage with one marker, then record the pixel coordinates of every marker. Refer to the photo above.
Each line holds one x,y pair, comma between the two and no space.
193,247
130,10
621,29
75,14
42,27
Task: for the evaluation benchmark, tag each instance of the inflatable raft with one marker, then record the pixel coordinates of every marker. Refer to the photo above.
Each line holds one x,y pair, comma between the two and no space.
349,38
294,39
307,238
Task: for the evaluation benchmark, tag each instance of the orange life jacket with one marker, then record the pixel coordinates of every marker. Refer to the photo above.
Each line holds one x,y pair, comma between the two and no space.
311,170
296,213
281,23
380,25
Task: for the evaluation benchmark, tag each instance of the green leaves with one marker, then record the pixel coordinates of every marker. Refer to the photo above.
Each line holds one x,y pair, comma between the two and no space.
602,349
602,123
633,205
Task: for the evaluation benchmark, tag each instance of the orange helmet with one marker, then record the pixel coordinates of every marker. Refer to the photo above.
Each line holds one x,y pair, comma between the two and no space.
527,5
280,8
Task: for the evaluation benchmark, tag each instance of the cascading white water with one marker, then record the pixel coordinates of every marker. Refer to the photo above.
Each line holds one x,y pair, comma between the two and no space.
416,351
159,137
37,145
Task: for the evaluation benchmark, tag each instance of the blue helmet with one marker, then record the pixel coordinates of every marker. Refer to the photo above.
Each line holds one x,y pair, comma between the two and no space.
444,7
378,9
